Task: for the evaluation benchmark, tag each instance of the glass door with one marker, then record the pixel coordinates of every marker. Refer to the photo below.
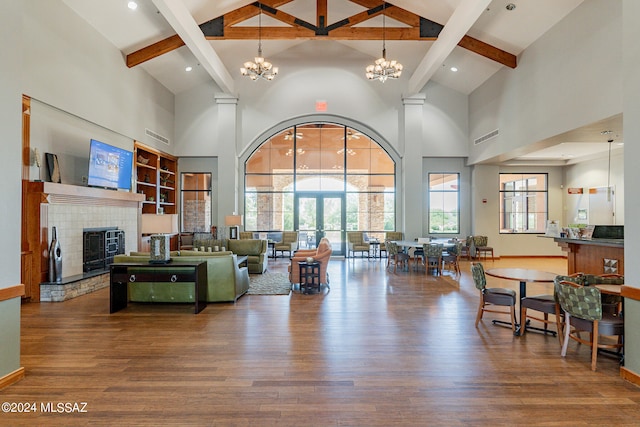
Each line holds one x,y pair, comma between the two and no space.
320,215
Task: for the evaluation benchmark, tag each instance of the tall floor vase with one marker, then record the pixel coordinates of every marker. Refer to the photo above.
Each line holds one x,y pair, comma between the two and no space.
55,258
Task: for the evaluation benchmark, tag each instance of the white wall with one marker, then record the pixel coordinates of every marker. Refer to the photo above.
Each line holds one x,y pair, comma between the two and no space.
11,33
594,173
69,65
570,77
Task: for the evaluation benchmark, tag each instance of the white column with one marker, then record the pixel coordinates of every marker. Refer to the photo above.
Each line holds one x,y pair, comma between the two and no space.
411,148
228,192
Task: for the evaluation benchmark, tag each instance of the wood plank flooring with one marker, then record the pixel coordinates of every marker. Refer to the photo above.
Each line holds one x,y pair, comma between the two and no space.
377,349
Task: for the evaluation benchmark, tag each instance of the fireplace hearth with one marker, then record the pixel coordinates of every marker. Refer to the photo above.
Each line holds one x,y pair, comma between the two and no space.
99,247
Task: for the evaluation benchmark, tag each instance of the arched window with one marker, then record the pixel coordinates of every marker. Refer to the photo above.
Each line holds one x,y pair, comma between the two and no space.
320,159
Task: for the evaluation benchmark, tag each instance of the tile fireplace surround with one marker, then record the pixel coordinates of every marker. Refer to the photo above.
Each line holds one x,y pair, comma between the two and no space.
71,209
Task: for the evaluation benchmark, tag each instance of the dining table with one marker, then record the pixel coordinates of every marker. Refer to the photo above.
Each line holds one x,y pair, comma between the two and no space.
524,276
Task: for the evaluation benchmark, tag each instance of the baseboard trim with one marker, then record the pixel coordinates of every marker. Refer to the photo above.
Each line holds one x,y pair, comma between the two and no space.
629,376
531,256
11,378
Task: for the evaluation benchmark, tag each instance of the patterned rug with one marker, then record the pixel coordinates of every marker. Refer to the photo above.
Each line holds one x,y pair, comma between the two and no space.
269,284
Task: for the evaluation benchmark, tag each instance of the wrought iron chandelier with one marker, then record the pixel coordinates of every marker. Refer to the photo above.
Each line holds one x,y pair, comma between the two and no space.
383,68
259,68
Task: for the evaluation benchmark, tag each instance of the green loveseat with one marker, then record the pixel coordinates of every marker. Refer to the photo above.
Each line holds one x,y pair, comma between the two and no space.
254,249
225,280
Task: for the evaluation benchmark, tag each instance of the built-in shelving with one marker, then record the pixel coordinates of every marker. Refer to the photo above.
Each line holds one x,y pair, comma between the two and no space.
156,178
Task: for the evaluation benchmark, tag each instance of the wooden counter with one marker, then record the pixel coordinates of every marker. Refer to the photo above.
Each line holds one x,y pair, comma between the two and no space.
595,256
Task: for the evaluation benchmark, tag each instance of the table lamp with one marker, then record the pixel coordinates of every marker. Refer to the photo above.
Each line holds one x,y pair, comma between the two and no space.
161,227
233,222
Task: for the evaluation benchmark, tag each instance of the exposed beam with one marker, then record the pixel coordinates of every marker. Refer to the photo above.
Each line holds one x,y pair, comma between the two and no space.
321,13
179,17
299,33
466,42
460,22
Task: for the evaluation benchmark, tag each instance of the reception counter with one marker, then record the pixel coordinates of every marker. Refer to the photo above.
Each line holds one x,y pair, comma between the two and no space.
594,256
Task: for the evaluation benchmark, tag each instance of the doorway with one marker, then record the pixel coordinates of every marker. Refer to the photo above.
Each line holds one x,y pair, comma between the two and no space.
318,215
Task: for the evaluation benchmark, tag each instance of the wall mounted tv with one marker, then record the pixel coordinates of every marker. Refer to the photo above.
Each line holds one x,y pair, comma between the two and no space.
109,167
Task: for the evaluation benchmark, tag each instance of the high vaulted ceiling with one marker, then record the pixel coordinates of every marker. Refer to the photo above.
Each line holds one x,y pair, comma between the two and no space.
215,37
429,37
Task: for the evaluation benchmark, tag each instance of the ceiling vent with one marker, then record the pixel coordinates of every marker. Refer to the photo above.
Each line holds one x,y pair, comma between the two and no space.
486,137
156,136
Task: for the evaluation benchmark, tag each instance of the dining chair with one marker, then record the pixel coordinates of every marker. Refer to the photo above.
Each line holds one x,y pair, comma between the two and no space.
546,304
490,297
451,256
582,306
395,256
433,256
482,246
390,235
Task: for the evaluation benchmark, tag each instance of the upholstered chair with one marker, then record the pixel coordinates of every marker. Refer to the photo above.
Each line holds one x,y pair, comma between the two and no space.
492,297
246,235
433,256
396,257
451,256
322,254
482,246
356,243
390,235
582,306
289,244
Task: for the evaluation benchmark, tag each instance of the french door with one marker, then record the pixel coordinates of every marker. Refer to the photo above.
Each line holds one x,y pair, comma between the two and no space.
318,215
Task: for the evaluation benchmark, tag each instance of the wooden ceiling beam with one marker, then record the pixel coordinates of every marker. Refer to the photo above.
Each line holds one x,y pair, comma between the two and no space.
346,33
321,13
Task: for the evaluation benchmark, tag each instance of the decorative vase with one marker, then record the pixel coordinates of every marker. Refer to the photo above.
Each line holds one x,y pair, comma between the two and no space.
55,258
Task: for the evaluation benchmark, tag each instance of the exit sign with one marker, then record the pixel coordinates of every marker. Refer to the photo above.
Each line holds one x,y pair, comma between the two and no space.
321,106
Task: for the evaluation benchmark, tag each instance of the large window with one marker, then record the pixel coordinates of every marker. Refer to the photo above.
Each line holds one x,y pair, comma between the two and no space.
523,202
320,158
196,202
444,203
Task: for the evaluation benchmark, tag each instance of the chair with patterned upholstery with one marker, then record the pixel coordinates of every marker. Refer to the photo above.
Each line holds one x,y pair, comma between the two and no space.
482,246
356,243
433,256
582,306
545,304
289,244
395,256
390,235
491,297
451,256
246,235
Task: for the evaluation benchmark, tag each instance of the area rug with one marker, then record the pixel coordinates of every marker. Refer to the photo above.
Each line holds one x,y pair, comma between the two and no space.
269,284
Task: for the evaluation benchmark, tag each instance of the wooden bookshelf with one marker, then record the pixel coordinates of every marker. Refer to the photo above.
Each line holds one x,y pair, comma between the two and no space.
155,175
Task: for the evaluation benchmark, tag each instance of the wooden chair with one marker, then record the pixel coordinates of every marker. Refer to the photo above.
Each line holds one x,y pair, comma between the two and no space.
582,306
482,246
433,256
396,257
451,257
490,297
545,304
356,243
390,235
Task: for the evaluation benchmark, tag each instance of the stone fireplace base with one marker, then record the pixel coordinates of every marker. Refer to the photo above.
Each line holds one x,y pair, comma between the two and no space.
73,286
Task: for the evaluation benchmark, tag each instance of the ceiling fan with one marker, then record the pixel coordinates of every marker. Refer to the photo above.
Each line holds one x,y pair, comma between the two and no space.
353,135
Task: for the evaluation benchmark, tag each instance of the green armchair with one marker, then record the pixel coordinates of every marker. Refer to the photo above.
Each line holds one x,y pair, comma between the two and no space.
289,244
356,243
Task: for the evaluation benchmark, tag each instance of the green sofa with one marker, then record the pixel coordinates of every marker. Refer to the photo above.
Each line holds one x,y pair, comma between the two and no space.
225,280
254,249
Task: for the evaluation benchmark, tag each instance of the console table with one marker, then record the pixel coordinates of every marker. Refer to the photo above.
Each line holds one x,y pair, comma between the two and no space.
162,274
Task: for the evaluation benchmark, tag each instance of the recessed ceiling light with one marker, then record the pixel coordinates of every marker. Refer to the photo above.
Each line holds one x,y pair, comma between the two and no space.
132,5
454,69
188,68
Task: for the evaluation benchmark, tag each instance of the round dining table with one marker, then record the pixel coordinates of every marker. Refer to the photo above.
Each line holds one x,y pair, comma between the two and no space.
524,276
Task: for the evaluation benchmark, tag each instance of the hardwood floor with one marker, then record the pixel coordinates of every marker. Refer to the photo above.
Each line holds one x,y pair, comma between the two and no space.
378,349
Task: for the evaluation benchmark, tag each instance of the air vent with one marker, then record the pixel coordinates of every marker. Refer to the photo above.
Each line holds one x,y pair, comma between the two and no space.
486,137
156,136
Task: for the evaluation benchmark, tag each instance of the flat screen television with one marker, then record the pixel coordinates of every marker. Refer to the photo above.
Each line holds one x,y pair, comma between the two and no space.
109,167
